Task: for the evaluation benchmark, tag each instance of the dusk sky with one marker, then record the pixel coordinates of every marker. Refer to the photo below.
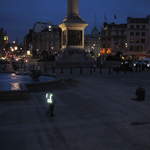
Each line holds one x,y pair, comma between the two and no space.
18,16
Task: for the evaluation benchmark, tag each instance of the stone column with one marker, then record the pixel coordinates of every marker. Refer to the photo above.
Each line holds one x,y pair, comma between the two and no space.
73,8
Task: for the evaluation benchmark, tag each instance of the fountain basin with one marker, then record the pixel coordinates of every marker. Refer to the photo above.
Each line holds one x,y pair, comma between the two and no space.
13,86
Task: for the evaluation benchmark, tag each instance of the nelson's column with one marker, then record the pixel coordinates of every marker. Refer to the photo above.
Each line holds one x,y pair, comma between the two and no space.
72,37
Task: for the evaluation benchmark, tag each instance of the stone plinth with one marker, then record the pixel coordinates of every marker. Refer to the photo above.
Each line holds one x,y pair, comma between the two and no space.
72,37
74,57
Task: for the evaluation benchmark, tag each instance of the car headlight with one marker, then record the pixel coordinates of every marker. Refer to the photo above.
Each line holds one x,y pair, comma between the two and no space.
148,65
134,65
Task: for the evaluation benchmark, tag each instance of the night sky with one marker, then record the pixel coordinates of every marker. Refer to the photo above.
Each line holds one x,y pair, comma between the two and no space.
17,16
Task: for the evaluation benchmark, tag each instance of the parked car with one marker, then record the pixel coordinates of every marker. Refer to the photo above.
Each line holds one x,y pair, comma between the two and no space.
143,64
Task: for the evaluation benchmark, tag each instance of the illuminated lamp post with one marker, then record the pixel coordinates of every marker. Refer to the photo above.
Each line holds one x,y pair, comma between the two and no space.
28,53
15,48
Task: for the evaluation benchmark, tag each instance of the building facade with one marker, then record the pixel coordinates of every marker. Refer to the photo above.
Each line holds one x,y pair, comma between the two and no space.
44,37
3,39
132,38
138,35
114,38
93,42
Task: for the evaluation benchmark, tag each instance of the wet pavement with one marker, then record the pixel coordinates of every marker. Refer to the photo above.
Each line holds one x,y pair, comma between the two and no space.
96,114
13,82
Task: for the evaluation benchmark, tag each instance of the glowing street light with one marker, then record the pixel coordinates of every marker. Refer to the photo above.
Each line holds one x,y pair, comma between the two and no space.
12,49
15,48
50,28
28,52
126,45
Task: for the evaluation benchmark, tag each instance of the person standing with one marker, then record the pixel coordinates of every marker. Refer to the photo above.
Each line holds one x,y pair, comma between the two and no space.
51,105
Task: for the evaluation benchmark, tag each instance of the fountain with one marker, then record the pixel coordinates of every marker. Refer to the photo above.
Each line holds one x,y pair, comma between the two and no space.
15,87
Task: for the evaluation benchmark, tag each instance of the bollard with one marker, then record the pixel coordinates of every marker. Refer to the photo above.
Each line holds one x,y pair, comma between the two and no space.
100,69
91,70
53,69
140,93
109,70
94,69
61,70
71,70
136,69
81,71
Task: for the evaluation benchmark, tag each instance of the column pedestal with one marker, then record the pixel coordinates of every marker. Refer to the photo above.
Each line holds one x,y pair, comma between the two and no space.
72,37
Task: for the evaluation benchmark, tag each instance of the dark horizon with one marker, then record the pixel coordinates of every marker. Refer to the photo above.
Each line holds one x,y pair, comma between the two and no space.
17,17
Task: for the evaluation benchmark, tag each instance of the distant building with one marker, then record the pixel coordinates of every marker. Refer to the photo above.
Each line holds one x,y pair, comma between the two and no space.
92,42
132,38
44,37
3,38
114,38
138,35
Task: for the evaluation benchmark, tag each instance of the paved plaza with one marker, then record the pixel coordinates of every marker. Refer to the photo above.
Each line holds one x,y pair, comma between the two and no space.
95,114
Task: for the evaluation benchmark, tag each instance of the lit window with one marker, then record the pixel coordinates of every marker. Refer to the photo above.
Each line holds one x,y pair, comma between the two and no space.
28,52
5,38
15,48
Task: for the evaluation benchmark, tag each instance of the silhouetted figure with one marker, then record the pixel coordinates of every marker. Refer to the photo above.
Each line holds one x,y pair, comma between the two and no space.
50,101
35,74
53,69
140,94
94,68
51,110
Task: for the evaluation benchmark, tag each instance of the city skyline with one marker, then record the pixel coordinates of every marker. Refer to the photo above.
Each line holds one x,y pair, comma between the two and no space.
17,17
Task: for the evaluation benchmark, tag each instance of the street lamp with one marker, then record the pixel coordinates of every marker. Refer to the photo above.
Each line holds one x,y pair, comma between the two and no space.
15,48
12,49
126,45
28,52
